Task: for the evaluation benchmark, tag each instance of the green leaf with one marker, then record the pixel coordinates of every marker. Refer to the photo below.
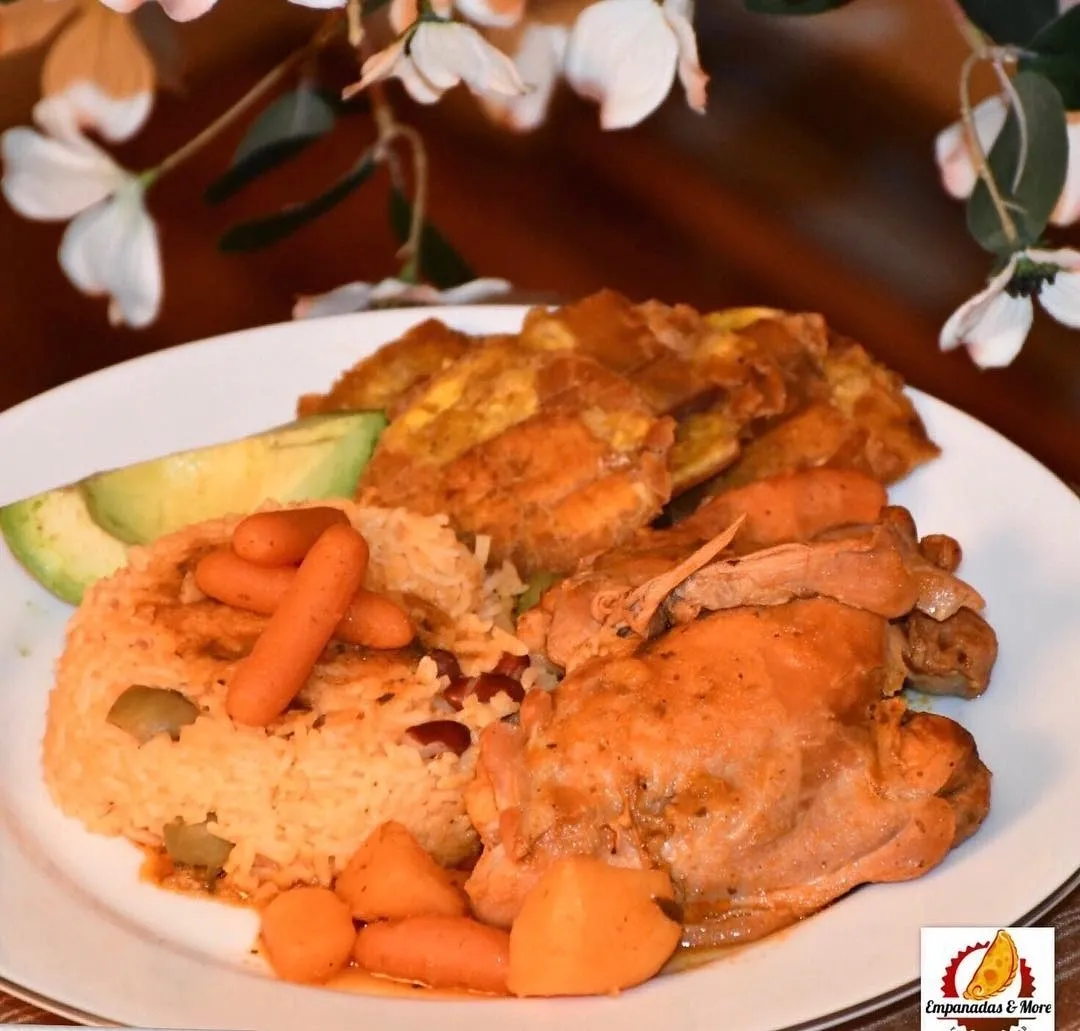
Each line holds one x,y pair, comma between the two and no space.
440,264
1010,21
794,6
261,232
1032,195
1056,51
286,127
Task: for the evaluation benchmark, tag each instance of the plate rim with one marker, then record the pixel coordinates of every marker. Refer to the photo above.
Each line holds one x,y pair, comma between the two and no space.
864,1008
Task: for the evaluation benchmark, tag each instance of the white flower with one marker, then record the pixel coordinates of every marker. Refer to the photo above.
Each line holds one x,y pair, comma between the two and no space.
94,58
178,10
493,14
539,60
957,167
397,293
111,246
994,324
435,56
625,55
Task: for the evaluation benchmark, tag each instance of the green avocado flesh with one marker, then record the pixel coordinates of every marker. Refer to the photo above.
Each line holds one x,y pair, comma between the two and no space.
69,537
59,544
318,457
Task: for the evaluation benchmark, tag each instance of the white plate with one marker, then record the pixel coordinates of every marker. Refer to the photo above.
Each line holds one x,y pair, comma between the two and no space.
77,927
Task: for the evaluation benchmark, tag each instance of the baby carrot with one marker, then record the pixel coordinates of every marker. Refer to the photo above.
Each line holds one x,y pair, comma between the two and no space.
225,577
283,538
300,628
375,621
370,620
439,951
308,934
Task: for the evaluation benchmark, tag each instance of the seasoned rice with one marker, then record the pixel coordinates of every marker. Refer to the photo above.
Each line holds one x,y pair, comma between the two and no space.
298,797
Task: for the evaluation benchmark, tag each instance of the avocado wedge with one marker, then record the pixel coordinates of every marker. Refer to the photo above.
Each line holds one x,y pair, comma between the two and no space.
54,538
321,456
71,536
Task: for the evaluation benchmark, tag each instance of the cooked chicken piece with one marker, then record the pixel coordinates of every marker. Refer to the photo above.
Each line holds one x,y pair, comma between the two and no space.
546,451
386,380
748,753
790,507
878,568
954,656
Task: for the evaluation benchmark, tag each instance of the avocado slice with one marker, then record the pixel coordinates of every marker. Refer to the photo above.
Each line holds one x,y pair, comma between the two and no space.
321,456
54,538
69,537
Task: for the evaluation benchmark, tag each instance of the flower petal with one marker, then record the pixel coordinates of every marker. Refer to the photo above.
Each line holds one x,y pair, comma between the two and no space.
475,290
446,53
113,249
969,313
49,180
24,25
402,14
381,65
392,291
339,301
1067,209
186,10
102,58
115,119
951,150
996,339
492,14
694,80
417,86
1061,298
123,6
992,325
538,60
622,53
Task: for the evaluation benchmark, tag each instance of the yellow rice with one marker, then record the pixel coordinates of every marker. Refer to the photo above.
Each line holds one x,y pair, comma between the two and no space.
297,798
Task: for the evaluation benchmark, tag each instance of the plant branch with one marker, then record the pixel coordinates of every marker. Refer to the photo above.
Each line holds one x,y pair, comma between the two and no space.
978,155
1021,120
272,78
390,132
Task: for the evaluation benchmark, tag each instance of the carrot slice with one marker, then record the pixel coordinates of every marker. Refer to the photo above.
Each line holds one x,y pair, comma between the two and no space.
370,620
283,538
439,951
308,934
300,628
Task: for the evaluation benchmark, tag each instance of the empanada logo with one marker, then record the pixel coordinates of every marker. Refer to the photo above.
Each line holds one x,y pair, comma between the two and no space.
995,973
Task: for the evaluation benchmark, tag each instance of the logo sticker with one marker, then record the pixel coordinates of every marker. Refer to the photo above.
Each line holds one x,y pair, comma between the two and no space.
987,979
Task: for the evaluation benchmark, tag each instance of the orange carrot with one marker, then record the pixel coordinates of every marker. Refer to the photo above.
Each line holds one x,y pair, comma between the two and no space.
439,951
375,621
300,628
308,934
283,538
370,620
225,577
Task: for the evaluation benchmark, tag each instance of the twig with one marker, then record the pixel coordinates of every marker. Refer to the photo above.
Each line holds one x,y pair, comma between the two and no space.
355,17
1021,120
978,155
390,131
271,79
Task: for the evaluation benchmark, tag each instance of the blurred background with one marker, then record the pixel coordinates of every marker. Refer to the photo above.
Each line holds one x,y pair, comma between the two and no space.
809,185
